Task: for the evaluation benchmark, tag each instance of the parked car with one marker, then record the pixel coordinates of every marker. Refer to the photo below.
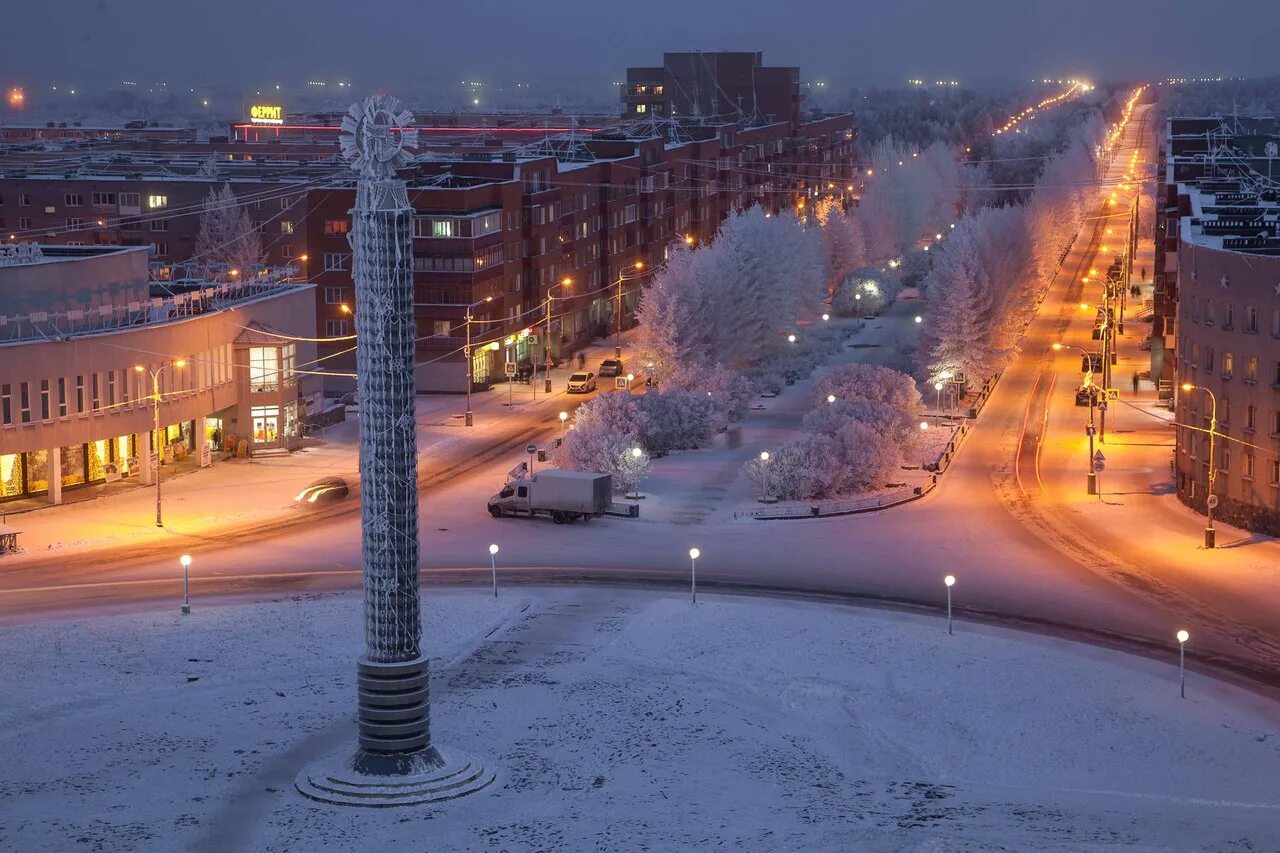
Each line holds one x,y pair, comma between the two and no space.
611,367
322,491
582,382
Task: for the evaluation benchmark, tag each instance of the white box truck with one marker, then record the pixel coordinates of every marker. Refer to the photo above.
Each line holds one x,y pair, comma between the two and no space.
564,495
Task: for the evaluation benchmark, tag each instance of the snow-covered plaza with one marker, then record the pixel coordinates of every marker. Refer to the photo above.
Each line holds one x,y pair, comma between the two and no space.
631,720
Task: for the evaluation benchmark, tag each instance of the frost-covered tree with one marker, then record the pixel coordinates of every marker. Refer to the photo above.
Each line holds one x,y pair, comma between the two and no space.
678,420
871,382
868,458
957,289
841,239
802,469
902,426
603,430
227,234
629,469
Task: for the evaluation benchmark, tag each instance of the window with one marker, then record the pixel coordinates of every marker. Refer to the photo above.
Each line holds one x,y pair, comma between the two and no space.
24,223
642,108
1228,315
334,295
440,328
24,401
289,363
159,225
490,223
44,399
103,199
74,222
1228,365
336,328
1251,369
443,228
286,252
335,261
80,394
162,249
286,226
1274,479
1247,473
1251,320
24,200
133,200
111,387
264,369
73,200
95,392
286,203
266,423
155,201
62,396
1250,417
6,404
336,227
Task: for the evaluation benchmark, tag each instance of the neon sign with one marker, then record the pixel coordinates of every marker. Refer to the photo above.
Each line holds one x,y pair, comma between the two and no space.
265,114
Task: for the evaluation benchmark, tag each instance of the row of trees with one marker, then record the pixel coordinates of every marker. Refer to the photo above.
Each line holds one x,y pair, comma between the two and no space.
864,424
989,275
731,305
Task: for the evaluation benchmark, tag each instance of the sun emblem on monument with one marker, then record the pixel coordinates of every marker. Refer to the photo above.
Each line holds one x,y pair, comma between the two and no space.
376,137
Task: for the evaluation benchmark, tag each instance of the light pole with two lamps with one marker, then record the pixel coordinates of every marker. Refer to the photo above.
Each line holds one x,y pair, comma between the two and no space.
1091,480
546,343
466,354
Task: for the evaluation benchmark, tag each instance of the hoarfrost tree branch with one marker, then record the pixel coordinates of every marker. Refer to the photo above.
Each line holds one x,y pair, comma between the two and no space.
227,234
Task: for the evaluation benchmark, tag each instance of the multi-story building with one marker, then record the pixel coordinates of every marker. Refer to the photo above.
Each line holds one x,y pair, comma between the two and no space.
510,219
88,338
1217,312
714,86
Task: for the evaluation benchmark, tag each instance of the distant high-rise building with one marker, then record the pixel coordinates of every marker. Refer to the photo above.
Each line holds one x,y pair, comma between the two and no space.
714,86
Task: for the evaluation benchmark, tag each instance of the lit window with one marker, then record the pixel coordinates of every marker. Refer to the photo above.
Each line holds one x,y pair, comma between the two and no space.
443,228
154,201
264,370
286,226
642,108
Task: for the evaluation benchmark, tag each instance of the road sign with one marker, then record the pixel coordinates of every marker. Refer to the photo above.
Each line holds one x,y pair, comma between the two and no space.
1088,430
1102,407
1212,501
531,449
511,369
958,378
1113,393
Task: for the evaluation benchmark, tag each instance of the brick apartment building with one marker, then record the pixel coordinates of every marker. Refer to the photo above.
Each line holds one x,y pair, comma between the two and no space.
505,215
1217,310
714,85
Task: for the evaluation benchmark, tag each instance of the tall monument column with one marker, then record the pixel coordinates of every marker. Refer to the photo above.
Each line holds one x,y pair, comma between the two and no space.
396,761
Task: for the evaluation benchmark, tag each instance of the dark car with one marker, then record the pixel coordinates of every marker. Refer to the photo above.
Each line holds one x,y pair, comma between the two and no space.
323,491
611,367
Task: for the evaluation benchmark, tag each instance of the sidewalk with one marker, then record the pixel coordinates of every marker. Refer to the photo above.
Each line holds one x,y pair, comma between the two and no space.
234,494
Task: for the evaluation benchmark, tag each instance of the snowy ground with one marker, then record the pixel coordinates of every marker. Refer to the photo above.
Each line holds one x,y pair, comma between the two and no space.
629,720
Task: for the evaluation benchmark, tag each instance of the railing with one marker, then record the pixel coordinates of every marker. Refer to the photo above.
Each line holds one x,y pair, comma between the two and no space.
194,301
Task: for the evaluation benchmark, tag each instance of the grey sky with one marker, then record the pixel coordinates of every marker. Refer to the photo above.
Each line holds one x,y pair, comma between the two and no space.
846,42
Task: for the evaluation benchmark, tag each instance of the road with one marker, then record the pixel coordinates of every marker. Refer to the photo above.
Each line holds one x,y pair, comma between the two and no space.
1004,522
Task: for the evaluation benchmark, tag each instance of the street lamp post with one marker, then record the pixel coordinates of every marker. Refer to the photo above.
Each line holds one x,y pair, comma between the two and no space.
950,581
636,454
937,398
564,416
493,567
694,554
1211,499
1091,480
466,354
764,467
1183,636
617,338
155,420
546,342
185,560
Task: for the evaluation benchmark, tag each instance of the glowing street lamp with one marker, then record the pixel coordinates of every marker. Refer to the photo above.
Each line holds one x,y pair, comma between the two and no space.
764,467
1183,636
694,554
1091,479
1211,500
564,416
950,581
791,339
185,560
493,567
919,319
826,317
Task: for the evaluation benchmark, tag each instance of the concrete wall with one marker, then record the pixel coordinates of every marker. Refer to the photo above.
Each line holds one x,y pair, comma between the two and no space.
68,282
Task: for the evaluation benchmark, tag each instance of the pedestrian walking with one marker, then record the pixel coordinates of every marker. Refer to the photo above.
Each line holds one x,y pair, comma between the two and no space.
1144,272
1135,382
582,360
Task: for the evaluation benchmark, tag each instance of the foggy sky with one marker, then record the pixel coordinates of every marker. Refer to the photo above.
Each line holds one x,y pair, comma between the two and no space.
585,45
